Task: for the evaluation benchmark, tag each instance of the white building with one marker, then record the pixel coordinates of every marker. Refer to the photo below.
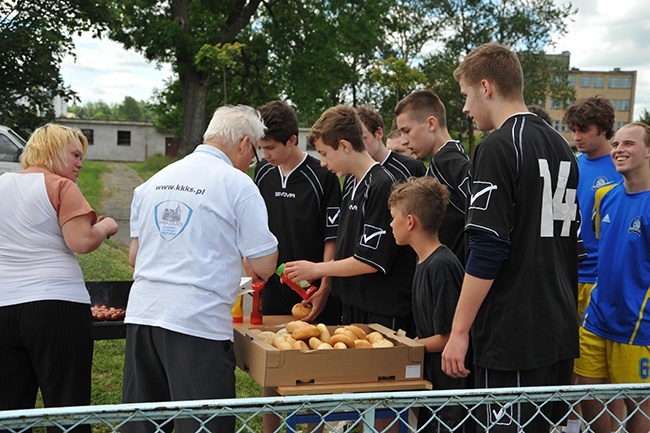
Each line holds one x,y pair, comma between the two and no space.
121,140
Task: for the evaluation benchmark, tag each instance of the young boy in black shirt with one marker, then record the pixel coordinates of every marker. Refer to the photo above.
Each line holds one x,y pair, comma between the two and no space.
418,209
371,274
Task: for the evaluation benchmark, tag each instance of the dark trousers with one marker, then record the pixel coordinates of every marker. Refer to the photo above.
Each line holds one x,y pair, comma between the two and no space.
507,418
46,344
163,365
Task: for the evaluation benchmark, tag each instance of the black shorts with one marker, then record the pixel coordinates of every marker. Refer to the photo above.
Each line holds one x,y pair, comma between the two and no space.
508,418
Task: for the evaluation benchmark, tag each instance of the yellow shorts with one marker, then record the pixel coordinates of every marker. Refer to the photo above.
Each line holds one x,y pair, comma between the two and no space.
584,295
606,359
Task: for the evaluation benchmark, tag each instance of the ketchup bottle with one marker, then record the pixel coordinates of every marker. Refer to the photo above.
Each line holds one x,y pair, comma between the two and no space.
303,288
256,317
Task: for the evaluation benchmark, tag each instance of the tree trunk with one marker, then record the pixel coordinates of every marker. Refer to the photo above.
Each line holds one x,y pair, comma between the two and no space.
194,87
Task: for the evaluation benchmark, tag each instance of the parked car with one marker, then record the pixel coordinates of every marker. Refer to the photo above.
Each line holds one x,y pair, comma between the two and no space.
11,147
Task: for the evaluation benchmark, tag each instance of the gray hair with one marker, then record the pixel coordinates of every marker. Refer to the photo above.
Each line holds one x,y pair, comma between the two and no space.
231,123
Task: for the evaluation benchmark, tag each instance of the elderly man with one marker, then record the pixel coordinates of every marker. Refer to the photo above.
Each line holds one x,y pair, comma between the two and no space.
191,224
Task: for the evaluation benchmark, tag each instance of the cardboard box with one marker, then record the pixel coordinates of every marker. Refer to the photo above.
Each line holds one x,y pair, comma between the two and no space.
271,367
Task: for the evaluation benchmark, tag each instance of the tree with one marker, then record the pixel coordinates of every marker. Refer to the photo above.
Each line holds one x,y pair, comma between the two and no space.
645,117
130,109
527,27
34,37
174,31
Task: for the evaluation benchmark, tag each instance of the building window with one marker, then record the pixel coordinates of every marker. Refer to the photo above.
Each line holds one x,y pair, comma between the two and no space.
90,135
123,138
624,105
556,104
626,82
619,125
585,81
598,82
556,125
572,80
564,128
621,104
612,83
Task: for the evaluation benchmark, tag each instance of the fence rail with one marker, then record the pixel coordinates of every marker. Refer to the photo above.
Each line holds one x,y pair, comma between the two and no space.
323,409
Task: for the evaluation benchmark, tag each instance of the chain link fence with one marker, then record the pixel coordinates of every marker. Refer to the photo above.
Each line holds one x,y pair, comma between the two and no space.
348,412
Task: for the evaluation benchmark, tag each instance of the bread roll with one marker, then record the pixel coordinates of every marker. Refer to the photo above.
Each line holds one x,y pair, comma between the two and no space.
267,336
301,345
324,346
358,332
314,343
340,345
324,333
346,332
295,324
349,342
300,311
305,332
383,343
362,344
374,337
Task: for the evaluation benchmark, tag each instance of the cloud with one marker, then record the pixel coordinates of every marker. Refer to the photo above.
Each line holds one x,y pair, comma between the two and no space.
608,34
105,71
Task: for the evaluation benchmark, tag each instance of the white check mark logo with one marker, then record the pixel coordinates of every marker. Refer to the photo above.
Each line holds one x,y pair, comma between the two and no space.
365,238
333,218
482,192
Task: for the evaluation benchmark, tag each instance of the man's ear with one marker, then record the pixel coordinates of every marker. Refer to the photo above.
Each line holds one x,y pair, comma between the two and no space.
432,123
292,141
412,220
380,134
244,145
487,88
346,145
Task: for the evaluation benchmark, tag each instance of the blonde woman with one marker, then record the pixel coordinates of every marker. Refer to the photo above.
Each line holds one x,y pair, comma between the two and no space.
45,321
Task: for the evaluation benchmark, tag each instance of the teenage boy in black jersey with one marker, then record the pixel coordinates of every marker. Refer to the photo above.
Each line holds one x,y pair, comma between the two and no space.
372,275
302,199
422,119
400,166
519,289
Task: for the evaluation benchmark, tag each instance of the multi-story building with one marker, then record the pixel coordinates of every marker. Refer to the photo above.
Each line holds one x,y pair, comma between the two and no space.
616,85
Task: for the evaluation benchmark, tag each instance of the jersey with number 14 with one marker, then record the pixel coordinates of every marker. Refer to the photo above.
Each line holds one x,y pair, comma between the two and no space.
523,189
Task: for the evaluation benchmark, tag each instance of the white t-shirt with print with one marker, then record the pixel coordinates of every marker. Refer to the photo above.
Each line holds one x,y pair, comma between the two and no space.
195,220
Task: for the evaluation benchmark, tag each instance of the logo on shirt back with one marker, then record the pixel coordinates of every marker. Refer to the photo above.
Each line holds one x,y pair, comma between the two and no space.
171,218
606,219
371,236
635,226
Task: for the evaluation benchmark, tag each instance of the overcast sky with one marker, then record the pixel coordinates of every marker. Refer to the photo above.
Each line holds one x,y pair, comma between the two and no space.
604,34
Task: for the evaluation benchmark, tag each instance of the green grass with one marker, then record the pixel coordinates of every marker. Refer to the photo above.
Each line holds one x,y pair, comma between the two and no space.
152,165
110,263
90,181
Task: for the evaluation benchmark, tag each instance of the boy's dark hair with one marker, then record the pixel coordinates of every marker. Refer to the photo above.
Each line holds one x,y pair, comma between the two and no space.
423,197
541,113
596,111
420,105
338,123
280,121
370,118
497,64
